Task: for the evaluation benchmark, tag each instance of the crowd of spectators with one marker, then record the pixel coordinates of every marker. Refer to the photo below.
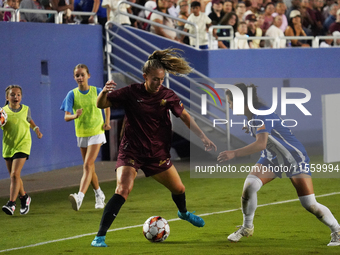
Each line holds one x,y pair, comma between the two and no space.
249,18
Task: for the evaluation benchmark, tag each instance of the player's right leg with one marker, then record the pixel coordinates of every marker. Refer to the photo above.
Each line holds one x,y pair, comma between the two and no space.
253,183
125,180
171,179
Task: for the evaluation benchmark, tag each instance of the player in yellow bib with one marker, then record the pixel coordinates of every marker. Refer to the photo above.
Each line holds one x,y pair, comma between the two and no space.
16,146
89,127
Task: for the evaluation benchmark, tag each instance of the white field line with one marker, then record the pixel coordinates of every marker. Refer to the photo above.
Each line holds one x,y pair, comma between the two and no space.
137,226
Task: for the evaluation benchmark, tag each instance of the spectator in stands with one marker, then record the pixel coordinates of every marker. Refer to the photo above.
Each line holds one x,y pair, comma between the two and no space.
32,17
319,18
336,25
331,18
253,30
162,6
229,19
202,21
173,8
337,40
151,4
307,17
326,43
295,5
183,14
228,7
240,10
242,32
326,9
295,29
66,6
111,11
268,18
248,9
280,10
216,11
14,4
275,31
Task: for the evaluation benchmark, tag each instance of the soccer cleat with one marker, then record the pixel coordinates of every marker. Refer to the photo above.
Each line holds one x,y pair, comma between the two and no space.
100,201
335,239
25,204
238,234
9,208
99,241
74,199
192,218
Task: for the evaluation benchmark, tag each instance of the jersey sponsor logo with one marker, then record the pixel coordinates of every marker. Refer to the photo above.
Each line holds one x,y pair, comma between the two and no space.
139,100
163,102
131,161
180,103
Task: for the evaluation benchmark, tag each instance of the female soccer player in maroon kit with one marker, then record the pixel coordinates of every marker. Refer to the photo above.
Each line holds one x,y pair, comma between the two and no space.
147,135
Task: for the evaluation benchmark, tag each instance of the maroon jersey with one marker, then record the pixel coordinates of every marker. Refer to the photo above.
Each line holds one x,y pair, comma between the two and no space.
148,129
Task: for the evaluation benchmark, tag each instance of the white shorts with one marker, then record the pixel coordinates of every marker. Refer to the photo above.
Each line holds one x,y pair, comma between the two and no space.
84,142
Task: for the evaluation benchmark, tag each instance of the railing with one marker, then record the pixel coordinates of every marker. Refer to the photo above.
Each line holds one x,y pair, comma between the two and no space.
95,19
157,24
12,11
334,37
139,44
307,38
229,38
18,11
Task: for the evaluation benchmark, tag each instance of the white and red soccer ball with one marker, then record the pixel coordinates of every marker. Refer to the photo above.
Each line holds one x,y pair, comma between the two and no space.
156,229
3,117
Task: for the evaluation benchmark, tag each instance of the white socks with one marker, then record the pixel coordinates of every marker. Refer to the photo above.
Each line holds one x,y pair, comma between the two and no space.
81,196
98,191
252,185
320,211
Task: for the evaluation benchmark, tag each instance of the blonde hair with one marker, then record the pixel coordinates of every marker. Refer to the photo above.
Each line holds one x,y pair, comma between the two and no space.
169,60
9,88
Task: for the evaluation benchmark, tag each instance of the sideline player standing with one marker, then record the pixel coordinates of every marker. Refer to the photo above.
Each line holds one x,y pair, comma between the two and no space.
147,135
90,126
279,148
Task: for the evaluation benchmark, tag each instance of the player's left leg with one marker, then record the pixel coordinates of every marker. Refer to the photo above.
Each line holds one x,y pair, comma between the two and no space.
89,155
171,180
14,167
304,188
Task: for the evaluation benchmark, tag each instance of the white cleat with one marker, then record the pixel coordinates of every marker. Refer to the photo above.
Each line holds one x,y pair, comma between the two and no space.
74,199
335,239
100,201
241,232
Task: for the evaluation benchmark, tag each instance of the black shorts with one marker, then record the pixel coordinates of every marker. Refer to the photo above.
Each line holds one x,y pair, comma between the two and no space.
18,155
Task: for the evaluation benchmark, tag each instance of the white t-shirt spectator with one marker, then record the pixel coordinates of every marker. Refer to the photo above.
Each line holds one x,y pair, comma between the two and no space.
151,5
274,31
113,5
201,21
166,21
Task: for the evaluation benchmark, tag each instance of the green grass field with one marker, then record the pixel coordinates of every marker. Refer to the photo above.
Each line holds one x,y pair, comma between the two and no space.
52,227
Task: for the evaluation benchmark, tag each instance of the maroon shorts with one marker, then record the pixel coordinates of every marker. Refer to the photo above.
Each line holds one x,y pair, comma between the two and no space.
147,165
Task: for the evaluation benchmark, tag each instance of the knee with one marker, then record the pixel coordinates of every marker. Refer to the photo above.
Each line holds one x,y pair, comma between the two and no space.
88,167
310,204
252,184
15,175
122,190
180,189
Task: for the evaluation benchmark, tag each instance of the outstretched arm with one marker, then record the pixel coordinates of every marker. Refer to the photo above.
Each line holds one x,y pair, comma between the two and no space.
102,101
257,146
192,125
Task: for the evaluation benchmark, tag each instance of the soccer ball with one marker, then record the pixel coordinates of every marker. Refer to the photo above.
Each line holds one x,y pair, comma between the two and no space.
3,117
156,229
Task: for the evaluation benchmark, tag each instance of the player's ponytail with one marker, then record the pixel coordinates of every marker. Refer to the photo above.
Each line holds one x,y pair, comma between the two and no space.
169,60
